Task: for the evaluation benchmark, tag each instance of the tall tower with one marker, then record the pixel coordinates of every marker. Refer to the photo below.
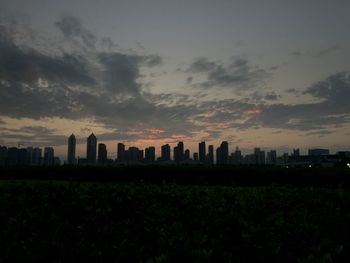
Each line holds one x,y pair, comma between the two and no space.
202,152
102,153
165,152
91,148
71,149
211,154
121,153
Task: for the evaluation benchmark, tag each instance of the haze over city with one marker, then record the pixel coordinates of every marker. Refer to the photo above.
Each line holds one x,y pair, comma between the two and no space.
266,74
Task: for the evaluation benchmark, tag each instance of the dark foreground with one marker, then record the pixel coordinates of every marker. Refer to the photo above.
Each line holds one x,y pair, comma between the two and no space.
67,221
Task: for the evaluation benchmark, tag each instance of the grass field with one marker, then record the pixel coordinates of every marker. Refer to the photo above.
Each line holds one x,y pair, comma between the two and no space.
50,221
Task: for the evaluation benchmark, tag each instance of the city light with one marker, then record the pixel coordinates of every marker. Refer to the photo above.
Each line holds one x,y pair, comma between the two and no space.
348,164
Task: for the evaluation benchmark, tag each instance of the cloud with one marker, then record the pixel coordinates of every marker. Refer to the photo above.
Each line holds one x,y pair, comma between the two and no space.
238,75
72,28
33,136
325,51
316,54
121,71
296,53
333,109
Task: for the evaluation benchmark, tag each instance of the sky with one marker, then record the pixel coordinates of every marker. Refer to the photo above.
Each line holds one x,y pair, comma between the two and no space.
270,74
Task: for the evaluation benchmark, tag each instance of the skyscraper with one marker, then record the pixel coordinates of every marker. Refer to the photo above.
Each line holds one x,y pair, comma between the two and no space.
71,149
37,156
211,154
150,154
49,156
179,152
224,152
202,152
165,152
102,153
121,153
187,155
91,148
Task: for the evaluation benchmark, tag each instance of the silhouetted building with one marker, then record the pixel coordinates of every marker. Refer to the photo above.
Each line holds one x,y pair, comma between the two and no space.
121,153
3,155
218,156
150,154
236,157
187,155
271,157
222,155
12,156
202,152
211,154
48,156
296,152
195,157
318,151
71,150
37,157
91,149
259,156
165,152
30,151
134,155
179,152
23,157
102,153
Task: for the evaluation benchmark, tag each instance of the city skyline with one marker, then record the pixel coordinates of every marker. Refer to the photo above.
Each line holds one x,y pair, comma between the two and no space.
97,153
158,72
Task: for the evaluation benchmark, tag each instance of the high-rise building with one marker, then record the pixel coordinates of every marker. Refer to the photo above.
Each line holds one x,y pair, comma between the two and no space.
271,157
121,152
102,153
133,154
259,156
49,156
37,157
179,152
195,157
23,157
12,156
211,154
71,150
3,155
296,152
150,154
187,155
218,156
165,152
202,152
236,157
91,149
224,152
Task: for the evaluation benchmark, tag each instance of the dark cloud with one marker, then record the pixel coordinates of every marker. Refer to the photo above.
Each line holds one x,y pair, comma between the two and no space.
72,28
33,136
26,65
121,71
272,96
238,75
316,54
259,96
296,53
326,51
319,133
293,91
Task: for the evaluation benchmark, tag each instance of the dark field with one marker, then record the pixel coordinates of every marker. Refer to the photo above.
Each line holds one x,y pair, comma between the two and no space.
67,221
